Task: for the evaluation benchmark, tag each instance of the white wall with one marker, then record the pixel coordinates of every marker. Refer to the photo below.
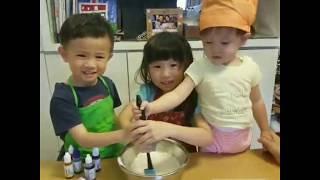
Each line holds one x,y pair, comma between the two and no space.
49,143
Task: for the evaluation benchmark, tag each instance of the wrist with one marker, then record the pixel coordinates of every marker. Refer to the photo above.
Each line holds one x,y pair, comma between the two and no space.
122,136
265,129
172,131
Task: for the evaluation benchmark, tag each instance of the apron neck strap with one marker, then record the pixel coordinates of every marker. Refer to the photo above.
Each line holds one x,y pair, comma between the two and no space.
70,83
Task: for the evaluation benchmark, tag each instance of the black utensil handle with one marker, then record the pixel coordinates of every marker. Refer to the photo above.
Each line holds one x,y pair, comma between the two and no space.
138,103
150,166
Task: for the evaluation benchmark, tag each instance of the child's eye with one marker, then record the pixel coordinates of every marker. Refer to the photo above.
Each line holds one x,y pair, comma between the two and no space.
155,66
225,43
81,55
100,57
174,65
208,42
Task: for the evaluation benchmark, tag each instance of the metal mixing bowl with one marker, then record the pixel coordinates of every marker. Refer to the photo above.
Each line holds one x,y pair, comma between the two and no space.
168,146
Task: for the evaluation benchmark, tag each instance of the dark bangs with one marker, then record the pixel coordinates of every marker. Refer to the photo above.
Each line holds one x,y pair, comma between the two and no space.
167,46
161,47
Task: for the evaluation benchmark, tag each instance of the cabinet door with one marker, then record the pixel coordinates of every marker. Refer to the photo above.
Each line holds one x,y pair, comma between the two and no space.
134,62
118,72
267,61
59,71
49,143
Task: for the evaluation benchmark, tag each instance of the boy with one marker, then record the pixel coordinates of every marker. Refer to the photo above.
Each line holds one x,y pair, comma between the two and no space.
82,109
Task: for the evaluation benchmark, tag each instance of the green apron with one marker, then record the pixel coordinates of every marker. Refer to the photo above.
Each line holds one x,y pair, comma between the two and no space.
98,117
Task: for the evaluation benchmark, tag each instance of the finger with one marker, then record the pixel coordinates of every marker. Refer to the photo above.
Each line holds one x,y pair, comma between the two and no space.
138,124
140,130
267,136
133,120
134,136
134,105
266,142
144,138
150,141
275,136
137,117
136,111
144,104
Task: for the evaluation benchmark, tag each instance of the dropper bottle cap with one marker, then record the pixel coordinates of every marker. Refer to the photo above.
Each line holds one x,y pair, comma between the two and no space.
76,154
88,159
67,158
70,149
95,152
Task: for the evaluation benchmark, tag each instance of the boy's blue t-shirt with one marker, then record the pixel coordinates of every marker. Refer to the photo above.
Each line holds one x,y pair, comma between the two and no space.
63,111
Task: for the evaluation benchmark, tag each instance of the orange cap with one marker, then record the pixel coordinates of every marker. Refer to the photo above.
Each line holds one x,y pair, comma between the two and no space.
238,14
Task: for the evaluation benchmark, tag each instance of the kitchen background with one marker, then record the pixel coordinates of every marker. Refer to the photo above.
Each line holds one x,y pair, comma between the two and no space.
263,47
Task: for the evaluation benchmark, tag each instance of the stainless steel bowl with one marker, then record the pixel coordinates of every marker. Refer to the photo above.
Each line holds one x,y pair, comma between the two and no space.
172,148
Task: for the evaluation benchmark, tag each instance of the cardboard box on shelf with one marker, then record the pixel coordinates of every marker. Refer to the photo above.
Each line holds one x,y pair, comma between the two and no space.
191,31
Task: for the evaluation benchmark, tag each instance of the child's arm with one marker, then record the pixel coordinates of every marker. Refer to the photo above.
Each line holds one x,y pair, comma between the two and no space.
149,132
200,135
89,139
259,111
171,99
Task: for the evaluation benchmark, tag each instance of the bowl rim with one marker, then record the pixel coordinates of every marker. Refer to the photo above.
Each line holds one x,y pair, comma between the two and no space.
164,175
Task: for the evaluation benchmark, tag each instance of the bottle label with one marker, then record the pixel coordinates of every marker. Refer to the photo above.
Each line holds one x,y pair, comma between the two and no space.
68,171
97,164
90,174
77,166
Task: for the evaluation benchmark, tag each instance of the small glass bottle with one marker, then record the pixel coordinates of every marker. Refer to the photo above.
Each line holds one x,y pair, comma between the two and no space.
96,159
68,167
77,164
89,170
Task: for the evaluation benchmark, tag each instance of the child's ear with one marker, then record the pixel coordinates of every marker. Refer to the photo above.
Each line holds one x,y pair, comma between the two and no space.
245,37
62,53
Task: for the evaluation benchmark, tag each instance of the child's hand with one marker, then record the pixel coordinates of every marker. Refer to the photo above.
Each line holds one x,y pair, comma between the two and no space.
273,145
149,132
127,134
135,135
266,134
137,113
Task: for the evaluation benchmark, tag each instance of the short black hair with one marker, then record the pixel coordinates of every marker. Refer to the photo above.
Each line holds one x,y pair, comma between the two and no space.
85,25
165,46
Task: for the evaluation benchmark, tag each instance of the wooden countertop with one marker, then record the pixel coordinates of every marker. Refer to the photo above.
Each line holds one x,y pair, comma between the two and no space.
252,164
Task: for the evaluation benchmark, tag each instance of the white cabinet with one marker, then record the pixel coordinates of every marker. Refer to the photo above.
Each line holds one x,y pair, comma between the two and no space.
117,71
49,143
134,62
267,61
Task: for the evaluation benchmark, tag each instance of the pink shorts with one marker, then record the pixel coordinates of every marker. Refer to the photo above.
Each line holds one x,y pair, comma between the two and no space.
229,140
